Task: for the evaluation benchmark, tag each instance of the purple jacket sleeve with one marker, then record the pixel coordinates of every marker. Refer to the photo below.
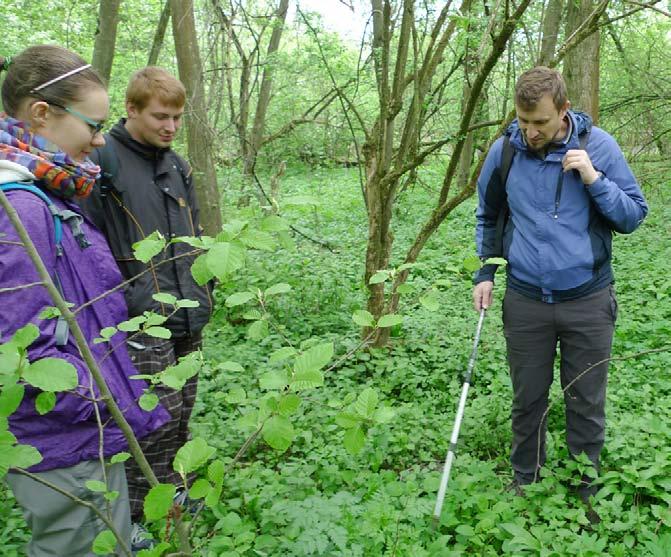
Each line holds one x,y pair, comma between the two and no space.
24,305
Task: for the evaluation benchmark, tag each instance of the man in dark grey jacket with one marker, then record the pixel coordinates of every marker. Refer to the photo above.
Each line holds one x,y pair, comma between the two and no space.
147,187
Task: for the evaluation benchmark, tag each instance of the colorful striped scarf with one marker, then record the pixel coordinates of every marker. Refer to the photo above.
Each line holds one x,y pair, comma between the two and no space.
54,170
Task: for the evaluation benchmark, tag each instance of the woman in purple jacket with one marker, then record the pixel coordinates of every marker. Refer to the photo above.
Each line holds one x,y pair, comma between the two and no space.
55,106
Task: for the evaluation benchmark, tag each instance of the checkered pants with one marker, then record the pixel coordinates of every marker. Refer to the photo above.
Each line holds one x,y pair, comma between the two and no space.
161,446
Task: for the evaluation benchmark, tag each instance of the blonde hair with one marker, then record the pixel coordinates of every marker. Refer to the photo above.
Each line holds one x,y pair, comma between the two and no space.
153,81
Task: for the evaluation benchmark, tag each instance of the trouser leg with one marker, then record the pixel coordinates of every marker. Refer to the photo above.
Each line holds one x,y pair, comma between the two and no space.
60,526
531,342
161,446
586,334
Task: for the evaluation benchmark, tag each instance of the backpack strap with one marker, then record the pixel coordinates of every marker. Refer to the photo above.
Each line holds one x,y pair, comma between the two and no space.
108,160
507,155
60,216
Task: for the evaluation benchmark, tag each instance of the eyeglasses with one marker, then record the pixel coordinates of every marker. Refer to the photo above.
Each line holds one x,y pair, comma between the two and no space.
96,127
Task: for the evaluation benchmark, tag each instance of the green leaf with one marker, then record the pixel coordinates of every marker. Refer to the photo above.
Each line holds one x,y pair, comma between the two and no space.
96,486
192,456
299,200
280,288
230,524
252,315
199,489
158,332
314,358
120,457
148,401
25,336
10,399
239,298
20,456
111,495
230,366
379,276
225,258
45,402
51,374
472,263
307,380
165,298
274,223
282,354
405,288
384,414
10,360
389,320
289,403
278,433
496,261
354,440
430,300
108,332
177,375
363,318
186,303
366,403
132,325
236,396
273,380
158,501
156,551
49,312
104,543
200,270
258,239
348,420
151,319
258,330
152,245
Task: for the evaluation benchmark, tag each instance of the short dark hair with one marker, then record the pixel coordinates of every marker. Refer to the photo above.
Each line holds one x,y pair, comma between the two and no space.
37,65
153,81
539,81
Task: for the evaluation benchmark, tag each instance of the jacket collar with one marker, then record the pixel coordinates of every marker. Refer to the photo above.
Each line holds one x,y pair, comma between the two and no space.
580,123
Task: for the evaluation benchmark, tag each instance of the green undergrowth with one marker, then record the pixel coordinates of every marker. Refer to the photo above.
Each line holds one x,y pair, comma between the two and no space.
316,499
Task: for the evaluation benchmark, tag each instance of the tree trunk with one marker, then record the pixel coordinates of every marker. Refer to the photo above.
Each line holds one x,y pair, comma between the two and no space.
199,135
581,65
551,22
103,49
159,36
256,136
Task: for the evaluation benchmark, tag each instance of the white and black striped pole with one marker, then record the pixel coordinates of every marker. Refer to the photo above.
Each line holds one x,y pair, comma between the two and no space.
452,449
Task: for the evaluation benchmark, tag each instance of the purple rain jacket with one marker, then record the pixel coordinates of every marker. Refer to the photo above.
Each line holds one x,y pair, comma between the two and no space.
69,433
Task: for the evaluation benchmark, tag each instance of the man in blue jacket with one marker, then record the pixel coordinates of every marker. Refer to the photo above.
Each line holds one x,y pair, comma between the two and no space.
568,187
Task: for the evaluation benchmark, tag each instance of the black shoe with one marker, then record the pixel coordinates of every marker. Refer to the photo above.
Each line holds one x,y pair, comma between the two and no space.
140,538
516,488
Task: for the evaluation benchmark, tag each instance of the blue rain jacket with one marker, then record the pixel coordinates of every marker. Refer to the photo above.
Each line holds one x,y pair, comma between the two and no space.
557,239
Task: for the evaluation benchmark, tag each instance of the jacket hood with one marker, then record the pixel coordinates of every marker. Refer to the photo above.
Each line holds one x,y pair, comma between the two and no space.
14,172
149,152
581,124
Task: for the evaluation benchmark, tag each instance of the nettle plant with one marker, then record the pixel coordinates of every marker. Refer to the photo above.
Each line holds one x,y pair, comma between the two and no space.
302,369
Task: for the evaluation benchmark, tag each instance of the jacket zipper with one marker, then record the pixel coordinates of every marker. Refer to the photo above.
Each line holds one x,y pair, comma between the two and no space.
560,183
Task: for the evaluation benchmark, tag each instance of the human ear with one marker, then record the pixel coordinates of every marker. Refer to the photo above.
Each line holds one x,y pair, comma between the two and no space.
38,114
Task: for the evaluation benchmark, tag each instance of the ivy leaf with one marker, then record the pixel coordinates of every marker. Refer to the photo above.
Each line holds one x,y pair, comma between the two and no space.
239,298
355,439
148,401
158,332
280,288
314,358
192,455
165,298
51,374
390,320
104,543
152,245
278,433
363,318
225,258
10,399
366,403
158,501
45,402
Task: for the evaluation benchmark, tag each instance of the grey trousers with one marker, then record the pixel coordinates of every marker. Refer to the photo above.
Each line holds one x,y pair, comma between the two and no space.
60,527
584,330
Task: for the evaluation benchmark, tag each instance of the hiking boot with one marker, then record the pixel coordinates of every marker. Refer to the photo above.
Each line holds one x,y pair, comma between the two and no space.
182,499
140,538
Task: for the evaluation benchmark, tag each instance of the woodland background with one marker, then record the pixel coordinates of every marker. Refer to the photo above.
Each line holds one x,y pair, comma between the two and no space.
368,152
